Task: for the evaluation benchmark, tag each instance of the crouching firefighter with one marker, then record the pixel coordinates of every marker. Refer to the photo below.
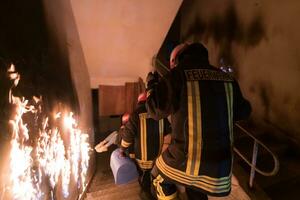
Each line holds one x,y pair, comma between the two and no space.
203,102
113,138
147,136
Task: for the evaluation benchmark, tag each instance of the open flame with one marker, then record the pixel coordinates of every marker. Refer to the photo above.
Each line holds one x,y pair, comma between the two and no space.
58,156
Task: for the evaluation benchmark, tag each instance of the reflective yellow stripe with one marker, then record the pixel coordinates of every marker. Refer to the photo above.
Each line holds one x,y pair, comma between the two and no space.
156,183
145,138
125,144
190,125
195,128
229,100
143,133
159,188
145,167
161,134
160,193
231,111
149,92
182,174
199,129
213,185
132,155
145,164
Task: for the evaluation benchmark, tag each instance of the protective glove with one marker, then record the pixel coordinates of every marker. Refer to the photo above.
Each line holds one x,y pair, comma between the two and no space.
109,140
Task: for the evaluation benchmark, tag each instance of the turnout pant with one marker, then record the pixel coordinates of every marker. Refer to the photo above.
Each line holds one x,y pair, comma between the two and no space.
166,190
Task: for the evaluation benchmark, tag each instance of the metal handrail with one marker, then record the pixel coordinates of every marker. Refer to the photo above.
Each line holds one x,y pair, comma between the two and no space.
252,164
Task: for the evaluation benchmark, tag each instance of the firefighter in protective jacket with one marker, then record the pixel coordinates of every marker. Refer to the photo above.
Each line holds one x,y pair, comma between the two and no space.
147,137
204,103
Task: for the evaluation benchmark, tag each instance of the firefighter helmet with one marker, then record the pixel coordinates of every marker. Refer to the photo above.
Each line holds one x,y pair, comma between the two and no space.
125,118
195,50
175,53
142,97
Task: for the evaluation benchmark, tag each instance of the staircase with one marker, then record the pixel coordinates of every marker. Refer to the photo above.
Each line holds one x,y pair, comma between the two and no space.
102,187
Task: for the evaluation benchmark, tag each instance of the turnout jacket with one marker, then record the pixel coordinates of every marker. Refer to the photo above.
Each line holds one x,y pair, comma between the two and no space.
203,103
146,135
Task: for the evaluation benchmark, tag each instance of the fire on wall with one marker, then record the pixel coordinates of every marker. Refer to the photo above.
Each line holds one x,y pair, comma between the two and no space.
45,154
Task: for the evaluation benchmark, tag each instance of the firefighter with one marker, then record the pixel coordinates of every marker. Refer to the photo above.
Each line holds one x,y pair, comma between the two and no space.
113,138
204,102
147,136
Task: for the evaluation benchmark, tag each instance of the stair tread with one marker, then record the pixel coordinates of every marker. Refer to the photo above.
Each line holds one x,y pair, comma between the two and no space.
112,189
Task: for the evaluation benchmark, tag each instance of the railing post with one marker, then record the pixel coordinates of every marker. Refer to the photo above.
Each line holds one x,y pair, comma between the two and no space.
253,164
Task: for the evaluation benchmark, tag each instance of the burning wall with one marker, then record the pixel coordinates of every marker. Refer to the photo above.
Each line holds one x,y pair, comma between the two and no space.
46,157
49,58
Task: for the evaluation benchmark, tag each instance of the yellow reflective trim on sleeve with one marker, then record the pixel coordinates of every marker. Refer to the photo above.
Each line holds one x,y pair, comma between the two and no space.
212,185
149,92
199,130
145,164
125,144
132,155
190,127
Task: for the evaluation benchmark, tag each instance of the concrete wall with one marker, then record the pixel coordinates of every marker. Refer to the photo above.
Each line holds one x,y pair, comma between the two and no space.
120,37
64,35
260,39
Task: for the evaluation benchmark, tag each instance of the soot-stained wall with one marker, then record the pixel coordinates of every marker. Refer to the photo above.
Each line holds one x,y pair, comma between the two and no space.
260,40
